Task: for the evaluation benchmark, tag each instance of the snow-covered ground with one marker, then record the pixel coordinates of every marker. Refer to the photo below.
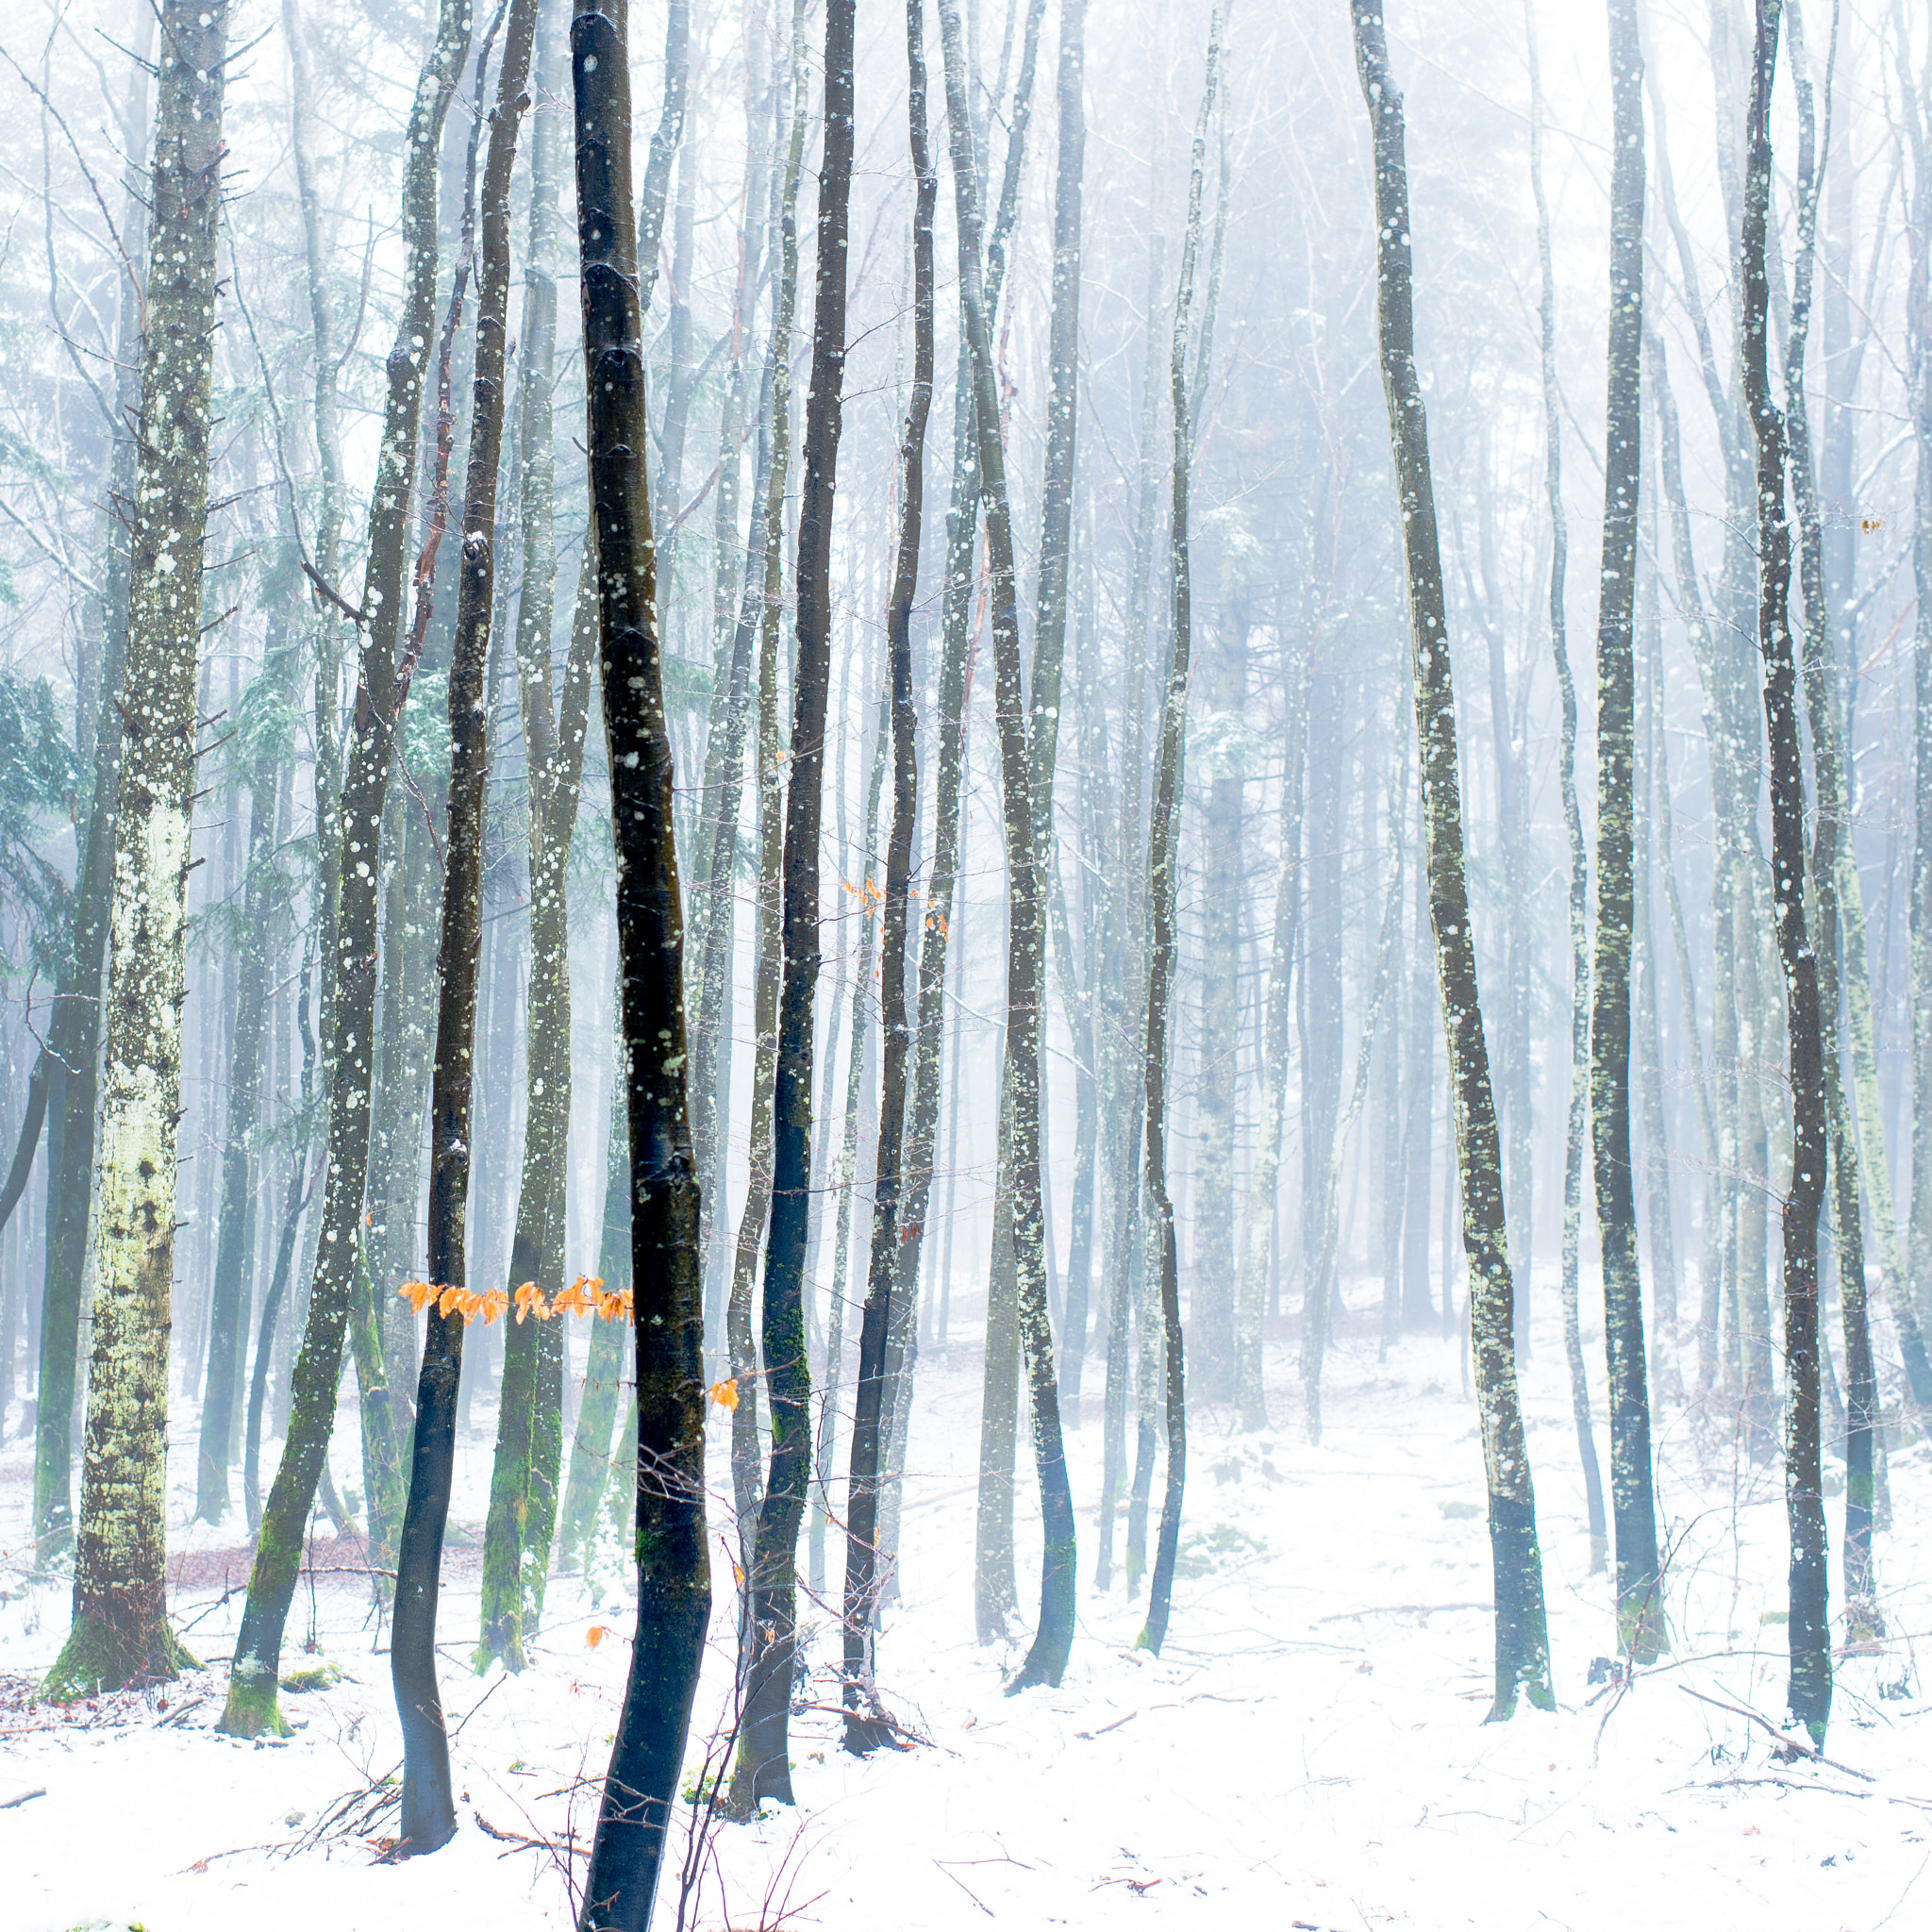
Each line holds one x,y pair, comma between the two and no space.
1306,1753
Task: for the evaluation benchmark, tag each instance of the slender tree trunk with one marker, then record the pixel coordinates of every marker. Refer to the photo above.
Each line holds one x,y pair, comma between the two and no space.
1824,714
768,964
763,1769
228,1312
523,1495
349,1027
738,585
862,1717
1633,1508
120,1632
1050,622
1919,326
1251,1409
1521,1627
429,1809
301,1186
1026,937
1573,823
603,1372
1324,1214
845,1162
1645,995
1809,1631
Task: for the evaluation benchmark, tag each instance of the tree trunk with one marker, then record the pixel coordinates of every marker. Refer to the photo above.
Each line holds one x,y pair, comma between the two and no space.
429,1809
349,1028
300,1187
763,1768
1573,821
667,1261
1823,703
863,1729
1050,634
120,1633
1522,1628
1633,1510
605,1370
1025,938
1809,1630
523,1492
1251,1409
1323,1216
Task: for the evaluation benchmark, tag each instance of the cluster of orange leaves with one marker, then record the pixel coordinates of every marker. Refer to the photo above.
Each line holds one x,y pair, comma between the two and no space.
586,1295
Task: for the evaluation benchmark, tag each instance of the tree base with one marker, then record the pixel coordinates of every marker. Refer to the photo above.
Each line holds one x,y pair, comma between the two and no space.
252,1710
97,1657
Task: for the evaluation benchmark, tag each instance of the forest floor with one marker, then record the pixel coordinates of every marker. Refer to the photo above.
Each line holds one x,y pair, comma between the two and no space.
1308,1751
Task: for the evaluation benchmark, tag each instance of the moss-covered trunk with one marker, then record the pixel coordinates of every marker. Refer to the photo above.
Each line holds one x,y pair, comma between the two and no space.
120,1633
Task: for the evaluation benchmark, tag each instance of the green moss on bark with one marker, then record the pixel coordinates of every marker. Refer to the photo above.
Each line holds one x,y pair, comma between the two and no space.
97,1657
252,1710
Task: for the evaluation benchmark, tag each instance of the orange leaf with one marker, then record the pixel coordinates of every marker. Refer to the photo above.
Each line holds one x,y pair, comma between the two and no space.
530,1302
449,1301
494,1302
416,1293
726,1393
597,1633
614,1305
574,1299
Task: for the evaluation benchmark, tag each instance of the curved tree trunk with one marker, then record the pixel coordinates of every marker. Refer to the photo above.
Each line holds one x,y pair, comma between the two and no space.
862,1731
349,1025
1026,960
428,1808
1809,1628
1522,1627
763,1769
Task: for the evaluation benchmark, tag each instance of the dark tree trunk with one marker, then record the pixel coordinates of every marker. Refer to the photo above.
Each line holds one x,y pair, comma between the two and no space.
1823,703
862,1726
763,1769
1522,1627
429,1809
674,1569
1809,1628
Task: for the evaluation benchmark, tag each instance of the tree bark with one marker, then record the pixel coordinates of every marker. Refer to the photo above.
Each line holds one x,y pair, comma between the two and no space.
428,1808
763,1769
1633,1510
1522,1627
1251,1407
1810,1629
522,1499
1573,824
1026,942
674,1570
120,1632
349,1028
863,1730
